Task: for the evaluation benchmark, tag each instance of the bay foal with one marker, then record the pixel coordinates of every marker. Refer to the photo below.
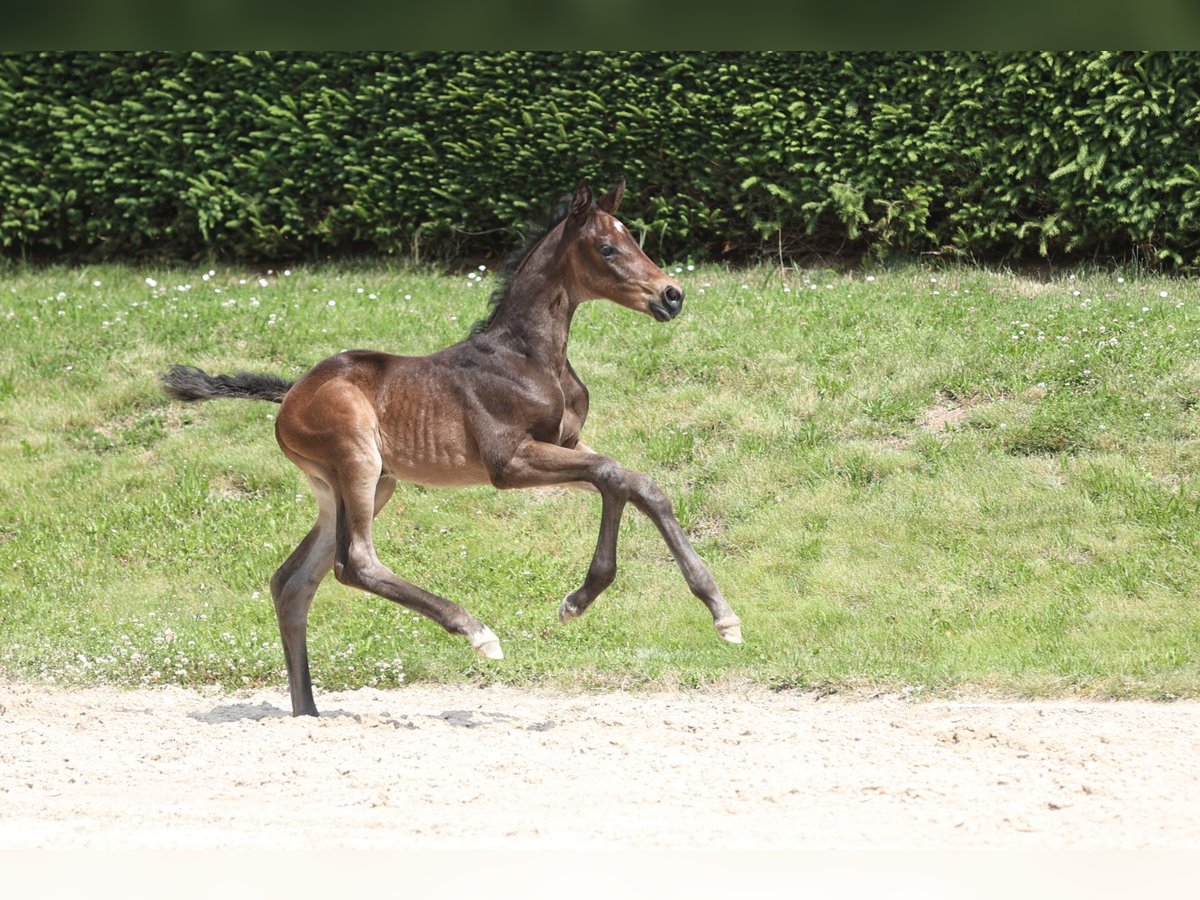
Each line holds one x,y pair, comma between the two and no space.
503,406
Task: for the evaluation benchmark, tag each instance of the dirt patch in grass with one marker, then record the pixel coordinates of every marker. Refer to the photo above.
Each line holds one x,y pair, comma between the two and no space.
948,412
939,418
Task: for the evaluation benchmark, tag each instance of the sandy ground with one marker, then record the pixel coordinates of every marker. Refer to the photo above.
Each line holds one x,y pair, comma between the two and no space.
501,768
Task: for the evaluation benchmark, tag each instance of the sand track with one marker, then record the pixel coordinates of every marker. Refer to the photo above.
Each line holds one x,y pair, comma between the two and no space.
498,768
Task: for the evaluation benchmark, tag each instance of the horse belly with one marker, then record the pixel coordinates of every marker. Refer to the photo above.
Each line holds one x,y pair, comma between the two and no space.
435,475
423,449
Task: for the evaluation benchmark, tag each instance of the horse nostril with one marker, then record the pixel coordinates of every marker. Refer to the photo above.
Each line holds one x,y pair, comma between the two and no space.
670,303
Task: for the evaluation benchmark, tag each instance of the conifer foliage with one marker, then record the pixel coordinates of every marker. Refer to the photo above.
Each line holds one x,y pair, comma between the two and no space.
1082,155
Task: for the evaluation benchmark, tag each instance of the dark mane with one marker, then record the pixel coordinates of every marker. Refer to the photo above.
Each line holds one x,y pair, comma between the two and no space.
531,235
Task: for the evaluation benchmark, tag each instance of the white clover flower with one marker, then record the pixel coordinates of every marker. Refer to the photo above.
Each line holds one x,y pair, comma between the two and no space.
869,278
287,272
96,282
150,282
1162,293
331,303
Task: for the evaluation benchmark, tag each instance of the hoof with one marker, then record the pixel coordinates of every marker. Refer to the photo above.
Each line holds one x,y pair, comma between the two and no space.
486,643
568,610
730,630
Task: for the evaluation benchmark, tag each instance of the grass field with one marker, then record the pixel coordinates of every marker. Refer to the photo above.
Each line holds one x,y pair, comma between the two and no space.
927,478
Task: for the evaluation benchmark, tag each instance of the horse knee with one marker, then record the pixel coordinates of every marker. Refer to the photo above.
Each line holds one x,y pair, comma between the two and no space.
610,478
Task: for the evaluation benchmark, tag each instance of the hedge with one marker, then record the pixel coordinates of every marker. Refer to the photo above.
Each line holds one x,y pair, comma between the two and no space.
730,155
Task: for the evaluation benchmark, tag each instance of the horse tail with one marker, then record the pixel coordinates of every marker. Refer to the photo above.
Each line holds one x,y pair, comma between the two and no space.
192,384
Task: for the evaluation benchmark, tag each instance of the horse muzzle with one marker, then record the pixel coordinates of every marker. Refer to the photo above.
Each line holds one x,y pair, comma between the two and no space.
668,305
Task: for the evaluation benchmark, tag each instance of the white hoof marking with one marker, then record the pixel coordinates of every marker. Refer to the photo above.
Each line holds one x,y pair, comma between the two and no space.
730,630
486,644
566,612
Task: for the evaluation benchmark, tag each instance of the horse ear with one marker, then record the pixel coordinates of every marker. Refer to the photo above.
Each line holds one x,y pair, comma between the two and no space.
612,200
581,200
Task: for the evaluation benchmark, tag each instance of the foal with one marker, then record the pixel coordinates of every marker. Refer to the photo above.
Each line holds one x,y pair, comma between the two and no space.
504,406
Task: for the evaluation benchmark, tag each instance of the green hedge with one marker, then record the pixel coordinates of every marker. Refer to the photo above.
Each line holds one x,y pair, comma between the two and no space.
728,155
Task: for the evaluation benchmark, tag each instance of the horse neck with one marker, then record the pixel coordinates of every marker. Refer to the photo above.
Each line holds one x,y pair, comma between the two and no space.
534,318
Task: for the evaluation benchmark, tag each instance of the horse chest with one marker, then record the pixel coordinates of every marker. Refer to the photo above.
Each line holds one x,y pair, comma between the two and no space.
575,409
560,413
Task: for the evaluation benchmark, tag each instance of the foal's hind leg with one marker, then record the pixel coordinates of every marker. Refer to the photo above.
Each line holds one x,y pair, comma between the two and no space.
295,583
357,565
293,586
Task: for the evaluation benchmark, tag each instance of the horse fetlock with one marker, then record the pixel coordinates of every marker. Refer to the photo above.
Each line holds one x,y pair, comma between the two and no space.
730,629
485,642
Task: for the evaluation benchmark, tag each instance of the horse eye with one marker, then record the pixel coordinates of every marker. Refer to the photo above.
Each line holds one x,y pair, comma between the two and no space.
607,250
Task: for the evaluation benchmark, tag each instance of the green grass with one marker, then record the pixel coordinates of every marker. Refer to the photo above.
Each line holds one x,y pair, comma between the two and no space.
933,478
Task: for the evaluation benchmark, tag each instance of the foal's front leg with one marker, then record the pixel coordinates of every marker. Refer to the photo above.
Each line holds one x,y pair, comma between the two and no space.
537,464
603,569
